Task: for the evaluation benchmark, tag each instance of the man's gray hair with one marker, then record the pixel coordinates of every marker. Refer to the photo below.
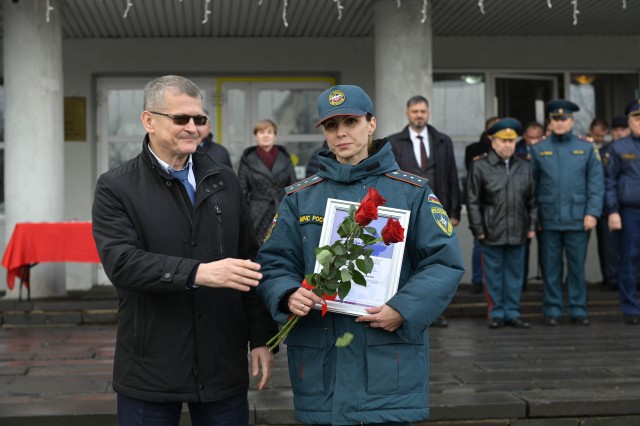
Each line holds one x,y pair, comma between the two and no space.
155,90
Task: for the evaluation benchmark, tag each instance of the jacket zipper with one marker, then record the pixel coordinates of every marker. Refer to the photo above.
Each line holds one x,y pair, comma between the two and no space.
219,215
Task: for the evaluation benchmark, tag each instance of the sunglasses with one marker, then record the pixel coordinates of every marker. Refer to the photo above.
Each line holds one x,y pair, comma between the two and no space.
183,119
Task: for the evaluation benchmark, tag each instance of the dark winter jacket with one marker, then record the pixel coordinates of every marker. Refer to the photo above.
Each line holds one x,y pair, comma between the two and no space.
174,344
446,185
501,201
263,188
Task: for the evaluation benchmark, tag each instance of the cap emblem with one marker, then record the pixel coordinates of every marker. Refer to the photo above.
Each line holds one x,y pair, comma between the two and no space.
336,97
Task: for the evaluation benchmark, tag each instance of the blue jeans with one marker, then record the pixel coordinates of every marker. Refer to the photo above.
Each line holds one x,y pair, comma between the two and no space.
232,411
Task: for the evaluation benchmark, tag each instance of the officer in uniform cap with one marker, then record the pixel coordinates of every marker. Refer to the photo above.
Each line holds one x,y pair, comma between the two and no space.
619,128
623,204
570,189
502,215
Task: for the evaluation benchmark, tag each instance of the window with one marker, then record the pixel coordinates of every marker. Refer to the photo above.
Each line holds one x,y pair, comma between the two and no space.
458,110
601,95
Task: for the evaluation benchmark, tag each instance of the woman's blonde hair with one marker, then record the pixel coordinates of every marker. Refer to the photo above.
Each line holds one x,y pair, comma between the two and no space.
263,124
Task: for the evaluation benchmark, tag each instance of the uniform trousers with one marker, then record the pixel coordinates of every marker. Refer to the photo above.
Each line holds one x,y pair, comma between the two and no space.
573,244
608,250
503,272
629,256
476,264
232,411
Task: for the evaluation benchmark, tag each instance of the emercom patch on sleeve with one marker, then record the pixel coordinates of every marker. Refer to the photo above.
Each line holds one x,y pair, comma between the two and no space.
442,220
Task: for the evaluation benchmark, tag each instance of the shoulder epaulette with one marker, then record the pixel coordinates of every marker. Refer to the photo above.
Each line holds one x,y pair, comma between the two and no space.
304,183
408,178
480,157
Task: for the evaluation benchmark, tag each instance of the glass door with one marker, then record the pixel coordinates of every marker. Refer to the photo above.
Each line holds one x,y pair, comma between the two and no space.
524,96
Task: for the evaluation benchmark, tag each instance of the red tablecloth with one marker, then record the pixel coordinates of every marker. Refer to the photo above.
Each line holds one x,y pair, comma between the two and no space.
48,242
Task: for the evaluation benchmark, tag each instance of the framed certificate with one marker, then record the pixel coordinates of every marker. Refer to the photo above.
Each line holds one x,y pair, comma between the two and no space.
382,282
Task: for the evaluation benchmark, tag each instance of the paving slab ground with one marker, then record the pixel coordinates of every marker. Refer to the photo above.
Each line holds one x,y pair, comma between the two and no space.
544,376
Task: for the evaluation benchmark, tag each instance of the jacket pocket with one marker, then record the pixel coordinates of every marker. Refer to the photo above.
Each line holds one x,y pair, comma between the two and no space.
546,206
306,355
394,365
578,206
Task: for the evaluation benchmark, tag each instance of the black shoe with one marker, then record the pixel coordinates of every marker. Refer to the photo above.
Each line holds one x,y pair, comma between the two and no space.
552,321
496,323
517,323
580,320
631,320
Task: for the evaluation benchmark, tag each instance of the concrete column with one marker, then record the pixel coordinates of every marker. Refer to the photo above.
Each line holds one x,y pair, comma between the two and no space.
34,132
403,60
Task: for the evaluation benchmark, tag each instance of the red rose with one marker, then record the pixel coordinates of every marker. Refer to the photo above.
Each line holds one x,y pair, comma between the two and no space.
392,232
366,213
374,197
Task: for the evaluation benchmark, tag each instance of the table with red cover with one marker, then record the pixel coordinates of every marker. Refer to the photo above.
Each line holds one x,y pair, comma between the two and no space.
33,243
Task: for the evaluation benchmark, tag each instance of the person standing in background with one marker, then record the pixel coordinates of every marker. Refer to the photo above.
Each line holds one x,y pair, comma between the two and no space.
214,149
503,215
570,188
623,205
265,171
420,149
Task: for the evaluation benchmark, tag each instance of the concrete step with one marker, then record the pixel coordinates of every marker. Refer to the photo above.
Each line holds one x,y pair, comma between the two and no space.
99,306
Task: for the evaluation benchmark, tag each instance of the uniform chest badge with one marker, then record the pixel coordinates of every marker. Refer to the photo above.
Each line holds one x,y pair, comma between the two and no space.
629,157
577,152
545,153
336,97
442,220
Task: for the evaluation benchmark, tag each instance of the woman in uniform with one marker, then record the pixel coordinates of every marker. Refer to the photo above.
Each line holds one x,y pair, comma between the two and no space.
381,377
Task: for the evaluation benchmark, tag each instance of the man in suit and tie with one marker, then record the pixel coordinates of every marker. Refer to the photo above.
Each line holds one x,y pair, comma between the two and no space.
420,149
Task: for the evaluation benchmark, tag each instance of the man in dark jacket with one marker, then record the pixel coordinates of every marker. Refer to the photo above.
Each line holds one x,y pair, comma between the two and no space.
422,150
503,215
177,249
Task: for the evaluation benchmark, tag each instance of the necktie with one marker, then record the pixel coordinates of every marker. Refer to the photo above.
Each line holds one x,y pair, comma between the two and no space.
183,176
423,154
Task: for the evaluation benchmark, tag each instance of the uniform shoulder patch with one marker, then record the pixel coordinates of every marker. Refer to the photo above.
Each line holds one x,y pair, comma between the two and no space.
480,157
408,178
442,220
304,183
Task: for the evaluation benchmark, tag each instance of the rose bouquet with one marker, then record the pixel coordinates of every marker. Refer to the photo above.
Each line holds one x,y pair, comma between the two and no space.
348,259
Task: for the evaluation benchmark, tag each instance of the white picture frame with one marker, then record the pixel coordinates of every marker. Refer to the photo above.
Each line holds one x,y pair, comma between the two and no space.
382,282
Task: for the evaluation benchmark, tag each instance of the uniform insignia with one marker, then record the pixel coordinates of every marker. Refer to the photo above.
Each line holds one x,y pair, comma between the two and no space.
480,157
545,153
629,157
311,218
336,97
270,230
442,220
304,183
433,199
408,178
577,152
